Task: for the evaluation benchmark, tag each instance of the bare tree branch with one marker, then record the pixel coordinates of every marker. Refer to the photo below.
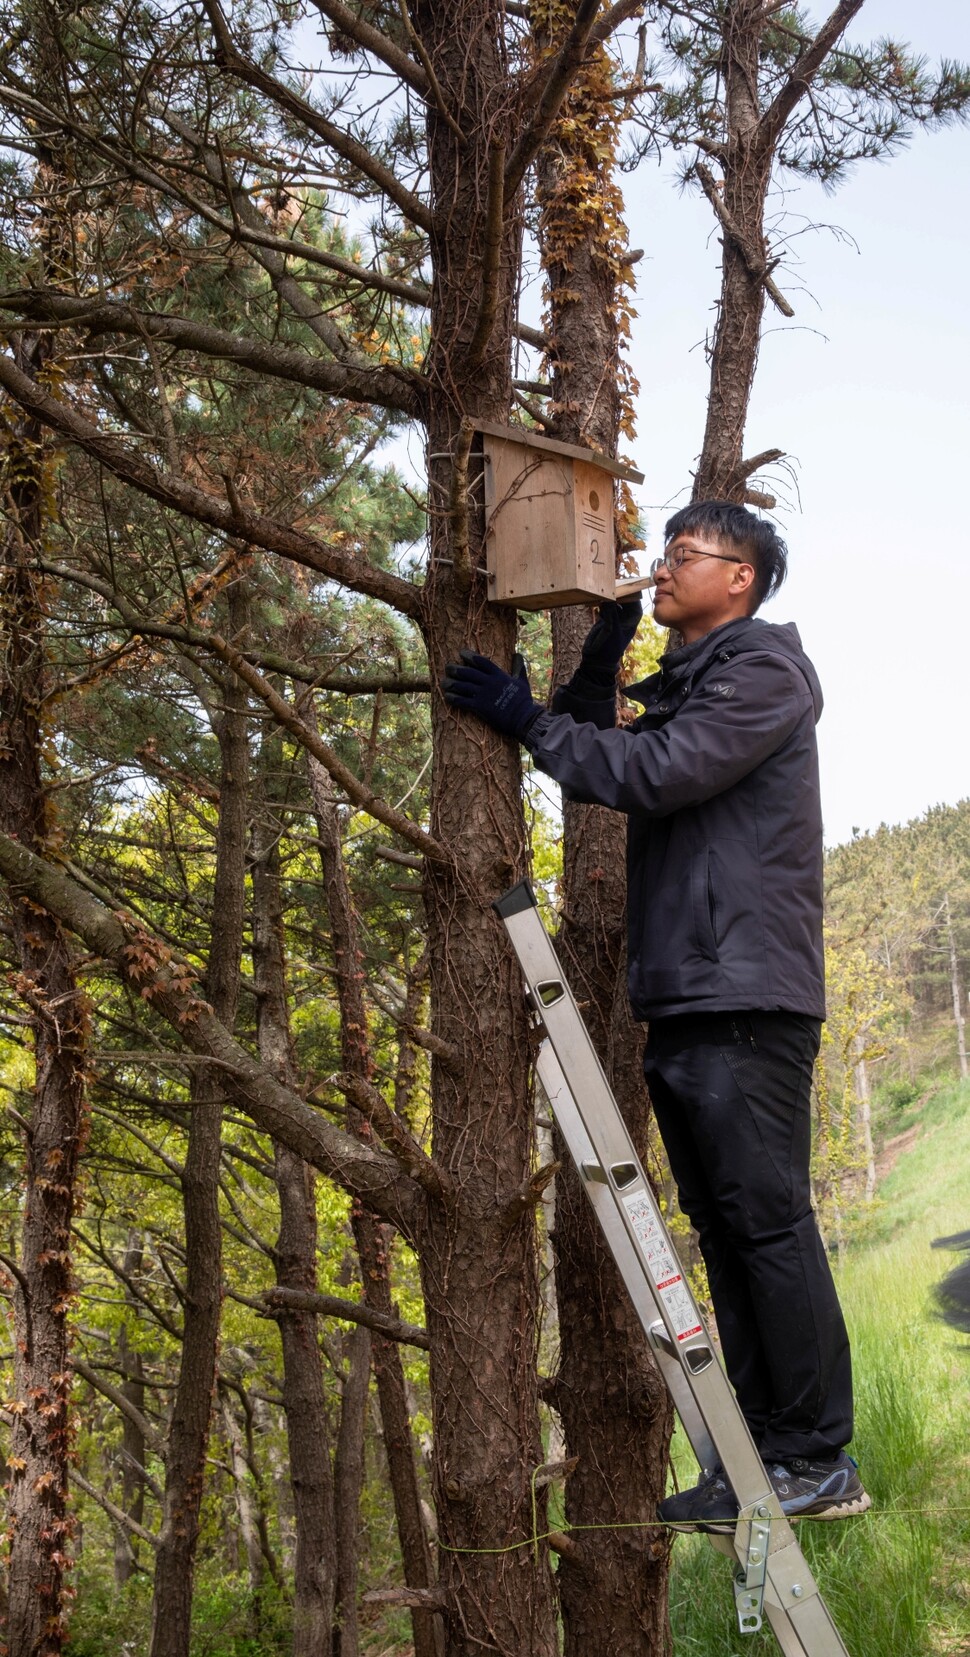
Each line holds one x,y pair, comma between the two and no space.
529,1192
436,92
617,14
767,457
117,1514
352,1311
419,1599
758,267
396,1136
116,1397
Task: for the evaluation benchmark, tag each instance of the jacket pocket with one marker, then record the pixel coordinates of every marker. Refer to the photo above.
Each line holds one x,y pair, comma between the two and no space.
704,903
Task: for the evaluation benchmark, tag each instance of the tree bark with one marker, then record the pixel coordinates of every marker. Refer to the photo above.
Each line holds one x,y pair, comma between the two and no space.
747,157
373,1239
245,1506
295,1257
40,1524
613,1405
737,335
189,1429
479,1268
348,1479
374,1242
132,1436
955,989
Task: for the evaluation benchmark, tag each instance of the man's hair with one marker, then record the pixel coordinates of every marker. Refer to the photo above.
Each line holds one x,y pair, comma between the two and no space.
723,521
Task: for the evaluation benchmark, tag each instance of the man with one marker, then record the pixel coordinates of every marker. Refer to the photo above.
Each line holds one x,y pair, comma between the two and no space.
719,780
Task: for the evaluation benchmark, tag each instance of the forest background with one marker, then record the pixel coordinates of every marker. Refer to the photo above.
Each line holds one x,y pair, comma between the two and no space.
298,1358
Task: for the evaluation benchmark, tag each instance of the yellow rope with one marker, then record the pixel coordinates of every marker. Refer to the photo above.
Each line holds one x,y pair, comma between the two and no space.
663,1524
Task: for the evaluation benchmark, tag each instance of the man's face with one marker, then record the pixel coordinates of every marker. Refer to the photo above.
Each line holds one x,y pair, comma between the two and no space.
711,586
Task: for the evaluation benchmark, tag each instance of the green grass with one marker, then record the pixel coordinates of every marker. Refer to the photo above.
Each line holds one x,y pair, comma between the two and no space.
897,1581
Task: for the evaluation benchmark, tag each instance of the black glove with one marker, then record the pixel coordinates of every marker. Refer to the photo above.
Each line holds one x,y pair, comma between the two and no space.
607,641
478,685
590,695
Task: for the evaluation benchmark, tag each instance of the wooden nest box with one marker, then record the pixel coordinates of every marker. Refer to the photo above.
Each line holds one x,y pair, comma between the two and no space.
549,536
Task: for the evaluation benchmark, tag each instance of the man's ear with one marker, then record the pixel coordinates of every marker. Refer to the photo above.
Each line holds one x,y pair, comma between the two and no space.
742,579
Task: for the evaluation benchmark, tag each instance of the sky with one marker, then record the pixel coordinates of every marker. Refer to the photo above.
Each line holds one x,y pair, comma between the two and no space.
868,390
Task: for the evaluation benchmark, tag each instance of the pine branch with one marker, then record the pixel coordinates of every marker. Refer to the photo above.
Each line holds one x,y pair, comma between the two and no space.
393,388
356,791
376,42
350,149
156,975
230,519
140,627
807,65
248,235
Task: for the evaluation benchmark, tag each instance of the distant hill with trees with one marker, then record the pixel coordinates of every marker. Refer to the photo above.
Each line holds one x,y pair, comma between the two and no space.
898,967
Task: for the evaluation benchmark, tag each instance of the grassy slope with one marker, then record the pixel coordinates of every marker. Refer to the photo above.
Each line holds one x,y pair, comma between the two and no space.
898,1580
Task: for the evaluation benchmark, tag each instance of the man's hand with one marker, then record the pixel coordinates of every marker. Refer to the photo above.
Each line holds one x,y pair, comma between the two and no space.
590,695
608,638
478,685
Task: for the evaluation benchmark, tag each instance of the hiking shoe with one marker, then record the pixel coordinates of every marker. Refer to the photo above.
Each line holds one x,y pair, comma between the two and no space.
708,1506
819,1489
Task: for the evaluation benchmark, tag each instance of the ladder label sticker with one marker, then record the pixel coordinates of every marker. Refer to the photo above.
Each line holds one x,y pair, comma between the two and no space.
663,1266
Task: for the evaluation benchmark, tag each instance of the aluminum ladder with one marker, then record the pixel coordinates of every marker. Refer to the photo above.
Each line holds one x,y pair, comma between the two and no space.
772,1580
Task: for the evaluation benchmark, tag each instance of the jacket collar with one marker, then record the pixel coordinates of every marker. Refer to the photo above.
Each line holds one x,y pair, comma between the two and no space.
682,664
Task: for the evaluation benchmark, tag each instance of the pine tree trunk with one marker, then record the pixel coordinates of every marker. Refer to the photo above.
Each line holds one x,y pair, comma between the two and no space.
305,1408
189,1428
478,1251
348,1479
39,1521
295,1254
132,1437
613,1405
737,336
373,1239
373,1246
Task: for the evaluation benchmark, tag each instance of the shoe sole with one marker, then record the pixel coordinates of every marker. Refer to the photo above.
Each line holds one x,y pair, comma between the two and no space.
850,1509
838,1510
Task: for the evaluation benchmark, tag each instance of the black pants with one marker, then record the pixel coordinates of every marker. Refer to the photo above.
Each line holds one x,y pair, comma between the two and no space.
732,1097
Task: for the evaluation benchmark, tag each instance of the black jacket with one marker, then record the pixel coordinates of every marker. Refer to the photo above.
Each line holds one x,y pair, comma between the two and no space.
719,779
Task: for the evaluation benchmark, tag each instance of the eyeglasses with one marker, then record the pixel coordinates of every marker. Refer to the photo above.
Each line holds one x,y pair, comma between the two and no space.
673,559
